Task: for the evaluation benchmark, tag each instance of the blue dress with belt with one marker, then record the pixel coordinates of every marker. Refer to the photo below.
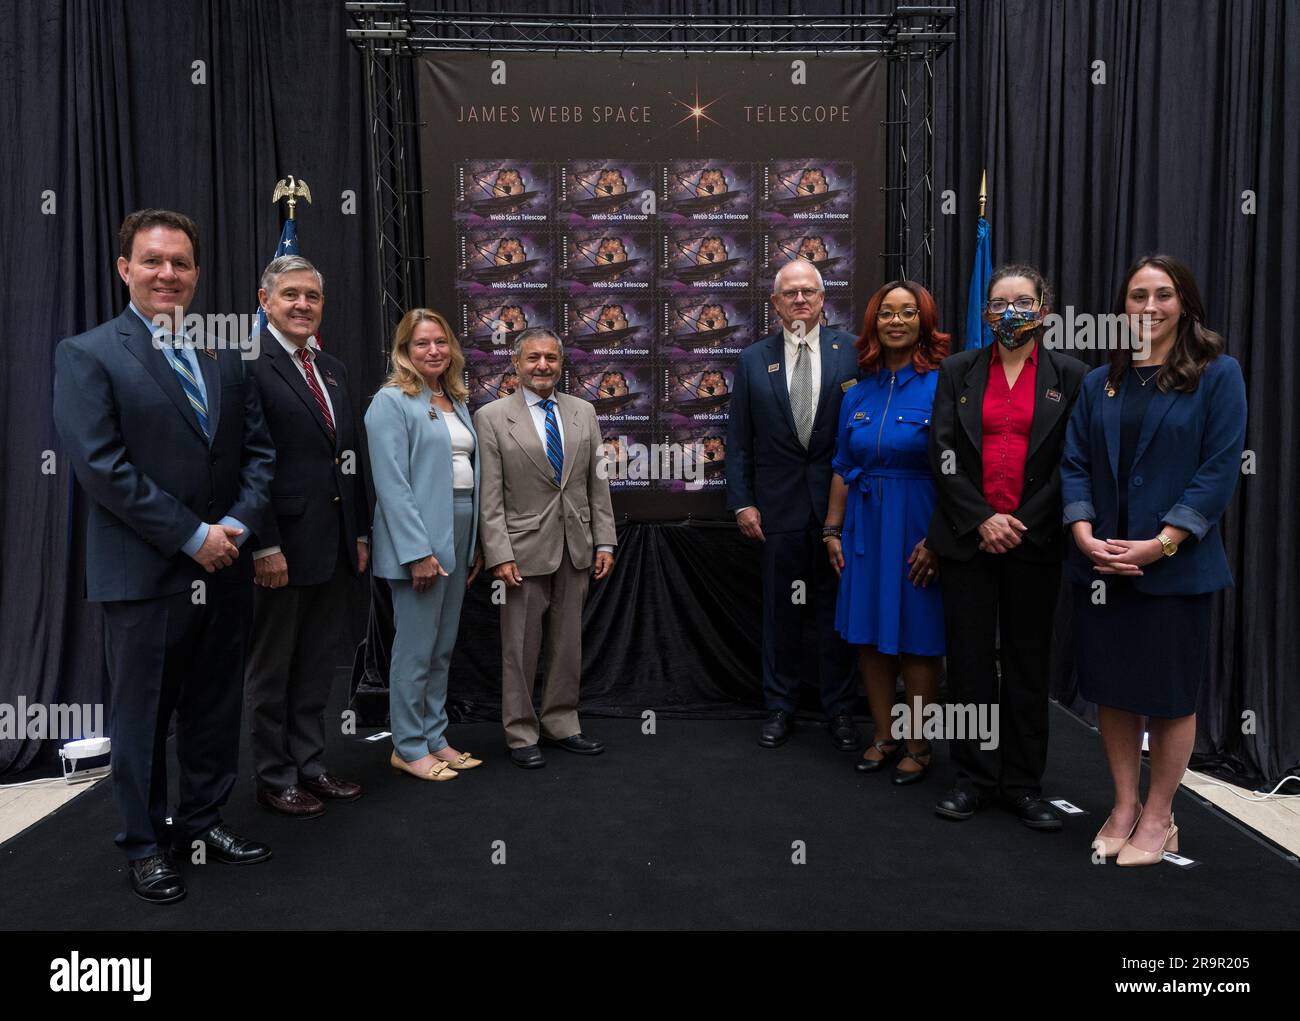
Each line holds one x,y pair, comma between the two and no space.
881,456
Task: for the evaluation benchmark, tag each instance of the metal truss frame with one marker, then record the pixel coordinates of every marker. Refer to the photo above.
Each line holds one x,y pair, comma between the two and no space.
389,33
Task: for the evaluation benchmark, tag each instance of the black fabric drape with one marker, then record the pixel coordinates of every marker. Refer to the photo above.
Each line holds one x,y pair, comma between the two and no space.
1199,105
101,114
674,628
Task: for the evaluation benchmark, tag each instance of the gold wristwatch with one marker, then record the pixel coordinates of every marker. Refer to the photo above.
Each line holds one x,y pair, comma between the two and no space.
1167,545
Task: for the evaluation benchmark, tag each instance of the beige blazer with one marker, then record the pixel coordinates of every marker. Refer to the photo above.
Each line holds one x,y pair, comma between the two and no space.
523,515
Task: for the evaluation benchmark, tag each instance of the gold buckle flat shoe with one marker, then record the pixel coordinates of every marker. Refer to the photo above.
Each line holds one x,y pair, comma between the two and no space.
438,771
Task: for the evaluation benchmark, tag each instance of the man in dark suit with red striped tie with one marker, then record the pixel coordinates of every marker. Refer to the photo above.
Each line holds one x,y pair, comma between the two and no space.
306,550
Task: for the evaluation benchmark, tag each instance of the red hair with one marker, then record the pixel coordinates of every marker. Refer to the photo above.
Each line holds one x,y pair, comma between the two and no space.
932,346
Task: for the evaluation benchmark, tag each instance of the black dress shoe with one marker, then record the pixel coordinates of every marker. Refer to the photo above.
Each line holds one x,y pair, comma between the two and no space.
229,847
960,804
156,880
329,787
291,801
844,733
579,744
775,729
1034,812
528,757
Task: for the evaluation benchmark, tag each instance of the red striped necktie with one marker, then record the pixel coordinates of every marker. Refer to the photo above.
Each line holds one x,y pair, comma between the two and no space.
305,356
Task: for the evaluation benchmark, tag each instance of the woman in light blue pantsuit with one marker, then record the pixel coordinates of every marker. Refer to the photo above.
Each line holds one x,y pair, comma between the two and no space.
424,459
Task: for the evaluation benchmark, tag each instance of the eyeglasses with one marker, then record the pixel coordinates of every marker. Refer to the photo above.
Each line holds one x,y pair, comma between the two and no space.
999,305
798,292
905,314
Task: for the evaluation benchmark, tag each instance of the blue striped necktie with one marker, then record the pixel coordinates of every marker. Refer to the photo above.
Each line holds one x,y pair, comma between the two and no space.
554,449
185,372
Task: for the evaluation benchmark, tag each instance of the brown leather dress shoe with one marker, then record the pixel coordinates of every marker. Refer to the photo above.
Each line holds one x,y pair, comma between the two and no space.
332,788
292,801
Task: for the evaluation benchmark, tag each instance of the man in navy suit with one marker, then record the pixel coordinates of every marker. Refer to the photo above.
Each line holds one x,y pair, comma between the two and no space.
307,550
166,433
780,441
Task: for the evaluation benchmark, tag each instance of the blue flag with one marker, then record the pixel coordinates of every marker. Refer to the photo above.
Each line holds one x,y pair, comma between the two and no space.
978,333
288,246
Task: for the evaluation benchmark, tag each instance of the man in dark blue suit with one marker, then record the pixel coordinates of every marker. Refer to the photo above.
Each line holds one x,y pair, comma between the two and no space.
308,548
166,433
780,441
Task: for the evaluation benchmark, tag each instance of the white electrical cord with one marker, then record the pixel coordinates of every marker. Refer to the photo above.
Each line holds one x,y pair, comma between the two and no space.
1255,796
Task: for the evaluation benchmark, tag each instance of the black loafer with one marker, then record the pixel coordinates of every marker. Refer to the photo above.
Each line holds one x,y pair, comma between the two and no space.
528,757
775,729
960,804
579,744
227,846
156,880
844,733
1034,812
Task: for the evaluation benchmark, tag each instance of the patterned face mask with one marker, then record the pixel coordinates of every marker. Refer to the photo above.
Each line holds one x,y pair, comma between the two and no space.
1014,328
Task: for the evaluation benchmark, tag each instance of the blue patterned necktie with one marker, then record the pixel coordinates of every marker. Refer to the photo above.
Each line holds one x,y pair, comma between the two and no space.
185,370
554,449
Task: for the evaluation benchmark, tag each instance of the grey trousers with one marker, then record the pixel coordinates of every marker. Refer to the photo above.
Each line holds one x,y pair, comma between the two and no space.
426,625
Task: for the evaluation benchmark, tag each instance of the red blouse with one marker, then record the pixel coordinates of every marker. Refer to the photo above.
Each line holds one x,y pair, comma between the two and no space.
1008,416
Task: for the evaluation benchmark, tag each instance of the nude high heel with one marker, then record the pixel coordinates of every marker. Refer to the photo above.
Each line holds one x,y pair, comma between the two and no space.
1131,855
1111,846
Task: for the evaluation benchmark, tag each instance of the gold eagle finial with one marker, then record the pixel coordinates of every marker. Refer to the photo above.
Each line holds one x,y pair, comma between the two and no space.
293,190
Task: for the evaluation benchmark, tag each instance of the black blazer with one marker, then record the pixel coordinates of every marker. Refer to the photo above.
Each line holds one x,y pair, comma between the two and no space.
957,425
140,455
318,495
767,466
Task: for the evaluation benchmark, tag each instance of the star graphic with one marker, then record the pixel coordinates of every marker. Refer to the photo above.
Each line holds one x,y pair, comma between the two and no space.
696,111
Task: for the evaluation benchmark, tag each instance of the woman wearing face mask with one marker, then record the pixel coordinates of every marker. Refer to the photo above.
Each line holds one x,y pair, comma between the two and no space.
1152,456
1000,415
881,500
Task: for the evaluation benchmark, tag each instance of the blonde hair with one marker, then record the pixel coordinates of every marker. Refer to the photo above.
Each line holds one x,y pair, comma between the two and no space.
403,373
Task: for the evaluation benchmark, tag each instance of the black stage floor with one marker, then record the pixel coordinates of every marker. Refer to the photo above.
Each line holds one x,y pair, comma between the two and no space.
694,826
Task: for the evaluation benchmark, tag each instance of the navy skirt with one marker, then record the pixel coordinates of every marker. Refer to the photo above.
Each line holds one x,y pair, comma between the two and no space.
1141,653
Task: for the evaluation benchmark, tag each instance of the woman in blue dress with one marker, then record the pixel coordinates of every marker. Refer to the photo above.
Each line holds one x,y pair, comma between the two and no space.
882,496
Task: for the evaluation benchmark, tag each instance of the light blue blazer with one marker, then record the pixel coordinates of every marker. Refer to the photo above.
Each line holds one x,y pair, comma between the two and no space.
410,462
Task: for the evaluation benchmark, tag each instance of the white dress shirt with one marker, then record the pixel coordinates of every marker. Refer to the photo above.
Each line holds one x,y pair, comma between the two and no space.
292,350
813,337
539,415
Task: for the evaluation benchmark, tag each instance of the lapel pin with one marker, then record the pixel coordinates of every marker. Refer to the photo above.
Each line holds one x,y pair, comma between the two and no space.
774,367
835,347
329,378
1054,395
1110,390
963,400
847,384
858,416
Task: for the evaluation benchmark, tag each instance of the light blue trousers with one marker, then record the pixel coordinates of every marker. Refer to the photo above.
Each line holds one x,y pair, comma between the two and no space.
426,624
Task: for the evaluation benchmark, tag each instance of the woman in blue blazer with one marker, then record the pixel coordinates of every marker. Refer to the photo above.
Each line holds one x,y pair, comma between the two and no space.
1152,456
424,460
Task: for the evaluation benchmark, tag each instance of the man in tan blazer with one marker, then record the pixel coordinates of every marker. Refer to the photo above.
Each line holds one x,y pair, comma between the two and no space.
545,516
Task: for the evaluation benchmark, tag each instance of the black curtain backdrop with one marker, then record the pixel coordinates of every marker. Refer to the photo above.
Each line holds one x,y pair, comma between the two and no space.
1199,104
99,108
